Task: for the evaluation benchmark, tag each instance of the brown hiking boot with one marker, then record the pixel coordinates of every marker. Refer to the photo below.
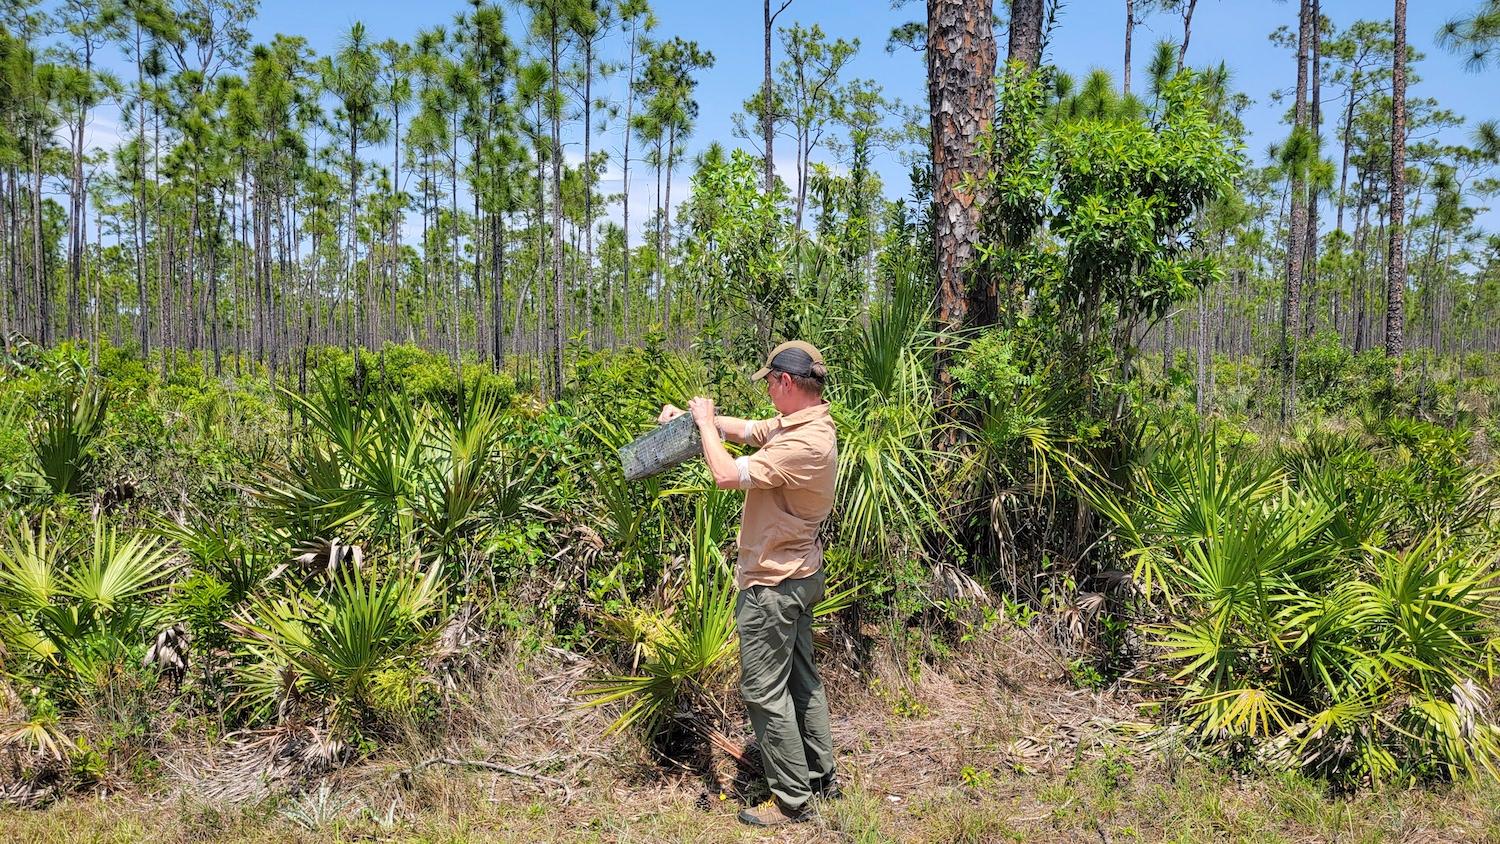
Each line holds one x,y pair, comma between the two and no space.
772,814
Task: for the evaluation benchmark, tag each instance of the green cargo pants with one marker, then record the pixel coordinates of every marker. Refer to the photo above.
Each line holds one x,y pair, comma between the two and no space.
781,686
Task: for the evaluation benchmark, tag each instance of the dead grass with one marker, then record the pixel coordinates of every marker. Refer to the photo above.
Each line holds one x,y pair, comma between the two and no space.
987,746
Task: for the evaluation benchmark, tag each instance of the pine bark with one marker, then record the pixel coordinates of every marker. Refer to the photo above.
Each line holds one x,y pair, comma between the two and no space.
961,55
1291,319
1395,307
1310,274
1025,43
557,242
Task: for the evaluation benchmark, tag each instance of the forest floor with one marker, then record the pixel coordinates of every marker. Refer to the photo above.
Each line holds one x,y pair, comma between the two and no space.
991,745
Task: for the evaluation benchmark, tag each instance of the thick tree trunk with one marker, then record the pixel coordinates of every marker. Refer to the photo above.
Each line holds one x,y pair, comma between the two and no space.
1024,53
1025,43
961,54
1129,34
1395,307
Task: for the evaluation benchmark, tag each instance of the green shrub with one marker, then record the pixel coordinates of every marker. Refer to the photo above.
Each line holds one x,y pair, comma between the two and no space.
1285,628
71,618
682,652
411,371
381,470
329,655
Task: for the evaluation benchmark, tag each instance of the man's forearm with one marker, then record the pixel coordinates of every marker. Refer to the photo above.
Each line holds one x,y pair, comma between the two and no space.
720,462
732,429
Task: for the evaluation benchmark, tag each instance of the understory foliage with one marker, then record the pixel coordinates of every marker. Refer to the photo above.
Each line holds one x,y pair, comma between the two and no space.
72,608
1309,607
1323,601
202,555
683,647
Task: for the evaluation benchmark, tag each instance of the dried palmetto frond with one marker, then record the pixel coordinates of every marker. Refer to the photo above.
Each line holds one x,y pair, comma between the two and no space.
1471,703
169,653
455,651
250,765
324,556
1079,614
953,584
38,738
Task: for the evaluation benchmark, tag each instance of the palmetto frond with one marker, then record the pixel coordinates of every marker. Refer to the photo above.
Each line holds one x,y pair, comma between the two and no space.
326,649
1292,628
80,610
883,406
687,648
61,445
386,474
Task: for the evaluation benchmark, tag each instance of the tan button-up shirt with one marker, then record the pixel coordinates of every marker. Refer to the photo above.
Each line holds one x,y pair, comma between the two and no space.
790,483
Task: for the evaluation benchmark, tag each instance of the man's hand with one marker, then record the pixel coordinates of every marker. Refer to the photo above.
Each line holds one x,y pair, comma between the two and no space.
726,474
668,413
703,411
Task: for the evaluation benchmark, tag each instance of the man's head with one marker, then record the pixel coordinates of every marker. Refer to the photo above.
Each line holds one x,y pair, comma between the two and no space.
794,375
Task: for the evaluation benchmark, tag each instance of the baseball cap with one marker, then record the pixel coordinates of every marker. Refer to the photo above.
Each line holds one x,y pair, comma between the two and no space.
794,357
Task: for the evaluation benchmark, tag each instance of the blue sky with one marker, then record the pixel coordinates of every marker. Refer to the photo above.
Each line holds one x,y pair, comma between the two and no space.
1089,35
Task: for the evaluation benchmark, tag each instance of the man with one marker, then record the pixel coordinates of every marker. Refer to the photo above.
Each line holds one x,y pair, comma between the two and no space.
789,487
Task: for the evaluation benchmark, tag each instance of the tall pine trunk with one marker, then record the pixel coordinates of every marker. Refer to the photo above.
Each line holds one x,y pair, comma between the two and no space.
625,195
588,191
961,55
1310,282
1291,320
1395,284
558,337
768,122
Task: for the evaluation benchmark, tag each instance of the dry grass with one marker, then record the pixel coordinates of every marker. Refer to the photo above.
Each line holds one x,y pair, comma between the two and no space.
988,746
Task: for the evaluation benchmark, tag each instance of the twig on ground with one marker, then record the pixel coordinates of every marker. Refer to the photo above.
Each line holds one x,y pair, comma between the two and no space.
495,766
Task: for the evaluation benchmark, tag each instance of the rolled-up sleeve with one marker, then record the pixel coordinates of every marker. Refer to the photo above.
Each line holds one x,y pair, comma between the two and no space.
758,431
